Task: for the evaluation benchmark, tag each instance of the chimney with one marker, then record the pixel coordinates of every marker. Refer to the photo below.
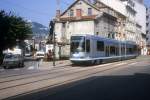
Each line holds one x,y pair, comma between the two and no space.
57,13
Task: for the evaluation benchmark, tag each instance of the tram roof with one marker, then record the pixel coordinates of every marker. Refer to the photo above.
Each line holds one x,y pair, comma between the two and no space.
103,38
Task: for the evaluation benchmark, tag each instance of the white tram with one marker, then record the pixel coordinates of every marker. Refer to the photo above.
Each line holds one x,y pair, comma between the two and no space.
95,50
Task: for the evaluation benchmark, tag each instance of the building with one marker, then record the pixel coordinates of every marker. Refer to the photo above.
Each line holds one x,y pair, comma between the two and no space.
137,22
118,19
135,13
148,28
84,17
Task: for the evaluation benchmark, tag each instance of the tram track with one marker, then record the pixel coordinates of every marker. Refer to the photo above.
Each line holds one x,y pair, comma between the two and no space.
43,73
34,72
45,76
87,72
40,73
31,74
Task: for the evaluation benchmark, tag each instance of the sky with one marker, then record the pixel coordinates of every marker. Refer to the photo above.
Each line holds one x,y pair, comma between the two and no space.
41,11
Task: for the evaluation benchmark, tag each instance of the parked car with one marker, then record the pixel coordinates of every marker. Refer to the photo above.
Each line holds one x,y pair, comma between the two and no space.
13,60
40,54
28,54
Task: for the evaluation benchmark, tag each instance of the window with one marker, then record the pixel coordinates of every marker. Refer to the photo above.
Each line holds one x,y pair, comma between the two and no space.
87,45
71,13
100,46
77,47
147,17
77,44
112,50
147,24
63,25
97,33
89,11
78,13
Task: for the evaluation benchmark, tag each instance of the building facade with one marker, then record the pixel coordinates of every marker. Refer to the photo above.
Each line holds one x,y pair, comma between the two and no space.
118,19
84,17
135,13
148,28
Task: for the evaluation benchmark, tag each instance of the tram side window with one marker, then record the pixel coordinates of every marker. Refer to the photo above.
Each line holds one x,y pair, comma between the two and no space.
100,46
112,50
87,45
117,51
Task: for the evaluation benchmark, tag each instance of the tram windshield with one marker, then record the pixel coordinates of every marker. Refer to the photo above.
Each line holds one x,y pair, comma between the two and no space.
77,44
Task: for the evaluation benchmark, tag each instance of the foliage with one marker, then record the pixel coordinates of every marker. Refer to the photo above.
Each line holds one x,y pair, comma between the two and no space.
51,32
12,28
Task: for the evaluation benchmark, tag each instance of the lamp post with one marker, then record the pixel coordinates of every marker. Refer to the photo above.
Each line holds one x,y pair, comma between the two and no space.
17,46
33,45
53,36
54,48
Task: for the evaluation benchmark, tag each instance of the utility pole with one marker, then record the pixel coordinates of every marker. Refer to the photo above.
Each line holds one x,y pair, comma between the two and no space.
54,48
52,34
58,3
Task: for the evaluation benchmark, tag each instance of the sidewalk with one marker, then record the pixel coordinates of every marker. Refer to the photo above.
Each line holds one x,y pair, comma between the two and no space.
49,65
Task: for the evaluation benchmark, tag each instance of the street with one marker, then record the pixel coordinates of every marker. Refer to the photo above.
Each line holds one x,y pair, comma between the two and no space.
124,80
75,50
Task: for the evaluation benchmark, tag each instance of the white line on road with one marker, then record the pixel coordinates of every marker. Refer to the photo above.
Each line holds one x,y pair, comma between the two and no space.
31,68
133,63
121,64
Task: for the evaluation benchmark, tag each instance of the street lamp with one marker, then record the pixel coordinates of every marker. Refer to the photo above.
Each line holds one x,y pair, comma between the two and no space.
33,44
17,41
53,36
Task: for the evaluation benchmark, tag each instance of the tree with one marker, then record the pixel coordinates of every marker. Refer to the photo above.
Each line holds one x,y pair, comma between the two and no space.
51,32
12,28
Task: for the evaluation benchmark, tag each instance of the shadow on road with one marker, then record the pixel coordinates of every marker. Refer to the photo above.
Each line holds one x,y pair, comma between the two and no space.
134,87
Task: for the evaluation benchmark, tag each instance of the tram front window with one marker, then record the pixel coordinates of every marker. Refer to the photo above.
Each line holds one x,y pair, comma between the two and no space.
77,44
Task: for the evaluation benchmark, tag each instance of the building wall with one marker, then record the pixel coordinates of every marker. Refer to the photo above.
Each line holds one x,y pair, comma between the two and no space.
116,5
133,33
148,25
71,28
104,26
141,15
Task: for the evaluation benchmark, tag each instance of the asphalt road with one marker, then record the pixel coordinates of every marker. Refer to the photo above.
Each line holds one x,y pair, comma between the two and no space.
125,81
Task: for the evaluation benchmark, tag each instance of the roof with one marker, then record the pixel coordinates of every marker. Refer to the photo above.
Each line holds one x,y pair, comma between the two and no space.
78,1
85,18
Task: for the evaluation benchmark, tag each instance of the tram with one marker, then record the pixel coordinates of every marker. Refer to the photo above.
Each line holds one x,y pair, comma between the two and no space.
92,49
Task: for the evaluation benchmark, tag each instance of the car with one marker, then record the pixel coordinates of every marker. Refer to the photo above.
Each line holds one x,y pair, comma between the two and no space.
13,60
28,54
40,54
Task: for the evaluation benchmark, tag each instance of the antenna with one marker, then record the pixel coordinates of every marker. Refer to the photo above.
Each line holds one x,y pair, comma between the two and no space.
58,4
58,8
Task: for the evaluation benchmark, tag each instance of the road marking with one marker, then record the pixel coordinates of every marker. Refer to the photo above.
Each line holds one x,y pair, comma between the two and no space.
16,69
31,68
2,70
121,64
133,63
